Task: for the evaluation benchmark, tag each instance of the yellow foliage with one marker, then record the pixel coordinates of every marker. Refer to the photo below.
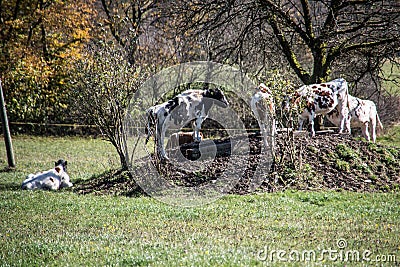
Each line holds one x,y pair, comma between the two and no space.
39,51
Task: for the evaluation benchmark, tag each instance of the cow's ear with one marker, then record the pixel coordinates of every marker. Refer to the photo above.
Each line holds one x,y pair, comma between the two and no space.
66,163
58,169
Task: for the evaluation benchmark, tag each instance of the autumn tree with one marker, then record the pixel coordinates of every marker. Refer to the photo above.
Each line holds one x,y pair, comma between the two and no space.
39,41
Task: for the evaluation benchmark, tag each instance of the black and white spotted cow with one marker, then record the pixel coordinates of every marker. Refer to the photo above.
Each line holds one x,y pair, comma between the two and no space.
187,106
363,114
263,107
320,99
52,179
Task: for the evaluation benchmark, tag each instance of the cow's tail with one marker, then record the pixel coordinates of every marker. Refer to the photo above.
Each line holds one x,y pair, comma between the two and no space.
379,122
150,123
346,117
347,97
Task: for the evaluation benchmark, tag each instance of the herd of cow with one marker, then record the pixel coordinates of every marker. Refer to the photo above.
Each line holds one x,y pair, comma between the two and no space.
331,99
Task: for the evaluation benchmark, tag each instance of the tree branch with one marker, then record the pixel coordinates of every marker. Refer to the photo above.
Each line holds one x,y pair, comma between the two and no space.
287,50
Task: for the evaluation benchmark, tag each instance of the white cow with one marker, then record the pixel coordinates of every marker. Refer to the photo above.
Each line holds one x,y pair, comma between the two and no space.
363,114
263,107
188,106
52,179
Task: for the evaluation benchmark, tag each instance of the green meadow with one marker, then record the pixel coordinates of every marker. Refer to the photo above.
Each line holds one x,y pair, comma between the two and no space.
291,228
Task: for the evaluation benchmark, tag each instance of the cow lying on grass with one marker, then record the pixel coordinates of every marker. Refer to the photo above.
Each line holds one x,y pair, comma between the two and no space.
363,114
52,179
188,106
320,99
263,107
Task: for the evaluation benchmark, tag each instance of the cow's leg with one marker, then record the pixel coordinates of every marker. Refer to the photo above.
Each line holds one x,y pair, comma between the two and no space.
162,149
255,112
344,117
372,130
365,131
274,128
264,132
345,120
342,123
301,121
348,121
200,117
196,130
311,119
160,133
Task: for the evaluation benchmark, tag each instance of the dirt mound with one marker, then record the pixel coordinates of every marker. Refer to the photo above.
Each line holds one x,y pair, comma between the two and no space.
335,161
331,161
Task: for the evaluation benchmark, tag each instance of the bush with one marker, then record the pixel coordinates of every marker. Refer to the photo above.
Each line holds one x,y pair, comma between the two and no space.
103,87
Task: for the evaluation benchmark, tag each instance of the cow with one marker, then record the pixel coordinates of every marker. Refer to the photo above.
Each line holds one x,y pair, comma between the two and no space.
180,138
187,106
263,107
52,179
362,114
320,99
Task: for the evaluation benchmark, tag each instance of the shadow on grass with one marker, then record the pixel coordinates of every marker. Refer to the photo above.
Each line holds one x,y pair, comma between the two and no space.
7,169
113,182
9,187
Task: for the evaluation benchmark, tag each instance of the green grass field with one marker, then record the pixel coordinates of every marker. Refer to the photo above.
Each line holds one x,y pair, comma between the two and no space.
392,137
391,72
40,228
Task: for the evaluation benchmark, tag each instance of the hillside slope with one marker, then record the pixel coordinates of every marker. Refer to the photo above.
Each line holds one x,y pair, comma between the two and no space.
333,161
325,162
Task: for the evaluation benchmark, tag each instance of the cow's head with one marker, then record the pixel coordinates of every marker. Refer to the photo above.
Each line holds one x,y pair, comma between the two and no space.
218,96
61,169
65,181
291,101
62,163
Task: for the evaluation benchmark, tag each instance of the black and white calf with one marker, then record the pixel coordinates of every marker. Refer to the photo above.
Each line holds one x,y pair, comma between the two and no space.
52,179
187,106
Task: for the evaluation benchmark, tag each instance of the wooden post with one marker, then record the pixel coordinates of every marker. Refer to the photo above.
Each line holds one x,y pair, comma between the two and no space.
6,130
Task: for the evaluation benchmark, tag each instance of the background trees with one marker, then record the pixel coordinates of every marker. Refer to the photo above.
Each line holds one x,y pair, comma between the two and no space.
306,41
39,41
315,38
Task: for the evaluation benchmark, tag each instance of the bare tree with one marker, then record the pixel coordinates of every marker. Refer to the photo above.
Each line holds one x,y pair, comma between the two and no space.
313,37
127,20
104,85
